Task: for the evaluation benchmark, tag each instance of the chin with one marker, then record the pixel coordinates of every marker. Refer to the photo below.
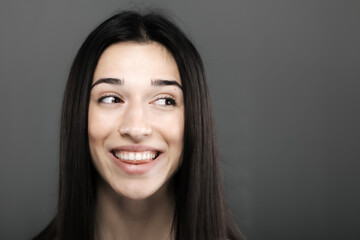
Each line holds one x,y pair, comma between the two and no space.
137,196
139,189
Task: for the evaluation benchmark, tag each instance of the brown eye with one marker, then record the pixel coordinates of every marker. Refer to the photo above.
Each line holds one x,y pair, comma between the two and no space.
166,101
109,99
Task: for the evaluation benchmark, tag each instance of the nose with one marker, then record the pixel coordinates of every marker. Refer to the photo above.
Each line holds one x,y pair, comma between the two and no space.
134,123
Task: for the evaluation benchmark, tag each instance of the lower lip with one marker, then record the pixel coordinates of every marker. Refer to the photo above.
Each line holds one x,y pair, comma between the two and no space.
136,169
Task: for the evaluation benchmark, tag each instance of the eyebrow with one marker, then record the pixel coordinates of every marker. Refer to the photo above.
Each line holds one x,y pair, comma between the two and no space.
162,82
116,81
154,82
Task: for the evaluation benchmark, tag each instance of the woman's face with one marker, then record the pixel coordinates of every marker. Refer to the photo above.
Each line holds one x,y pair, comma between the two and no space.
136,118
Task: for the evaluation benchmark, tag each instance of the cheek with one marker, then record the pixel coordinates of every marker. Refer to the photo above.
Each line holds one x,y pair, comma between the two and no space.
176,135
172,128
99,127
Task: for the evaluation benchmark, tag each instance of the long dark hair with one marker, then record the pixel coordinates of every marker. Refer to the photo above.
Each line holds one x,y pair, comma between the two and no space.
200,211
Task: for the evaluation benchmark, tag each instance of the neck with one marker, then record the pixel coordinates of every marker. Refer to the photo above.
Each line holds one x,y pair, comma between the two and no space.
122,218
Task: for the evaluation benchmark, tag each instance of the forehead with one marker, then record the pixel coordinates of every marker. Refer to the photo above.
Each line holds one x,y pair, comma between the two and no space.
132,60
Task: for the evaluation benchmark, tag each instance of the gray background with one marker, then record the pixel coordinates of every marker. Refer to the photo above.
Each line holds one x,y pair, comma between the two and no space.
284,78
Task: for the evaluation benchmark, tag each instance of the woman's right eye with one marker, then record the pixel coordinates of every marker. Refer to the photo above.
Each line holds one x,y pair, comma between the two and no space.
109,99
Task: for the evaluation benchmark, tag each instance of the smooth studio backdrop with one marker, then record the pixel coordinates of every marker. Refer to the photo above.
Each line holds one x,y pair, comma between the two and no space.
285,81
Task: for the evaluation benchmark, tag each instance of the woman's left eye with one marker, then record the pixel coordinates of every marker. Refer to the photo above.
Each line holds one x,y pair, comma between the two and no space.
165,101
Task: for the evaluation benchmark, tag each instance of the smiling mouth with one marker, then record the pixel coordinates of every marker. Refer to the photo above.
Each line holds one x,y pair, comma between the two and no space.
136,157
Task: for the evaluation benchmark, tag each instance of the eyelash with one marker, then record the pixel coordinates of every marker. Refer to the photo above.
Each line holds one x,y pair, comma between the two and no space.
115,99
169,100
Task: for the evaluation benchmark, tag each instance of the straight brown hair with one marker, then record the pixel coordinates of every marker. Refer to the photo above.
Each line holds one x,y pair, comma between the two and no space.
201,211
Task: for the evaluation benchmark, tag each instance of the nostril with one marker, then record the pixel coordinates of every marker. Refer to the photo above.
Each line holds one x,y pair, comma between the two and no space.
134,132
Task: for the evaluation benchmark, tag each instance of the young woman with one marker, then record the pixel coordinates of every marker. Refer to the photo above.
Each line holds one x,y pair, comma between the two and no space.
138,154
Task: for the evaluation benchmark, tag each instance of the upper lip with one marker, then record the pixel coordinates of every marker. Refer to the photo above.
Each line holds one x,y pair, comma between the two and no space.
135,148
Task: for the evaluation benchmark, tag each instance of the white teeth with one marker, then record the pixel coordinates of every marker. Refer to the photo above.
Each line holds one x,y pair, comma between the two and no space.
135,156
